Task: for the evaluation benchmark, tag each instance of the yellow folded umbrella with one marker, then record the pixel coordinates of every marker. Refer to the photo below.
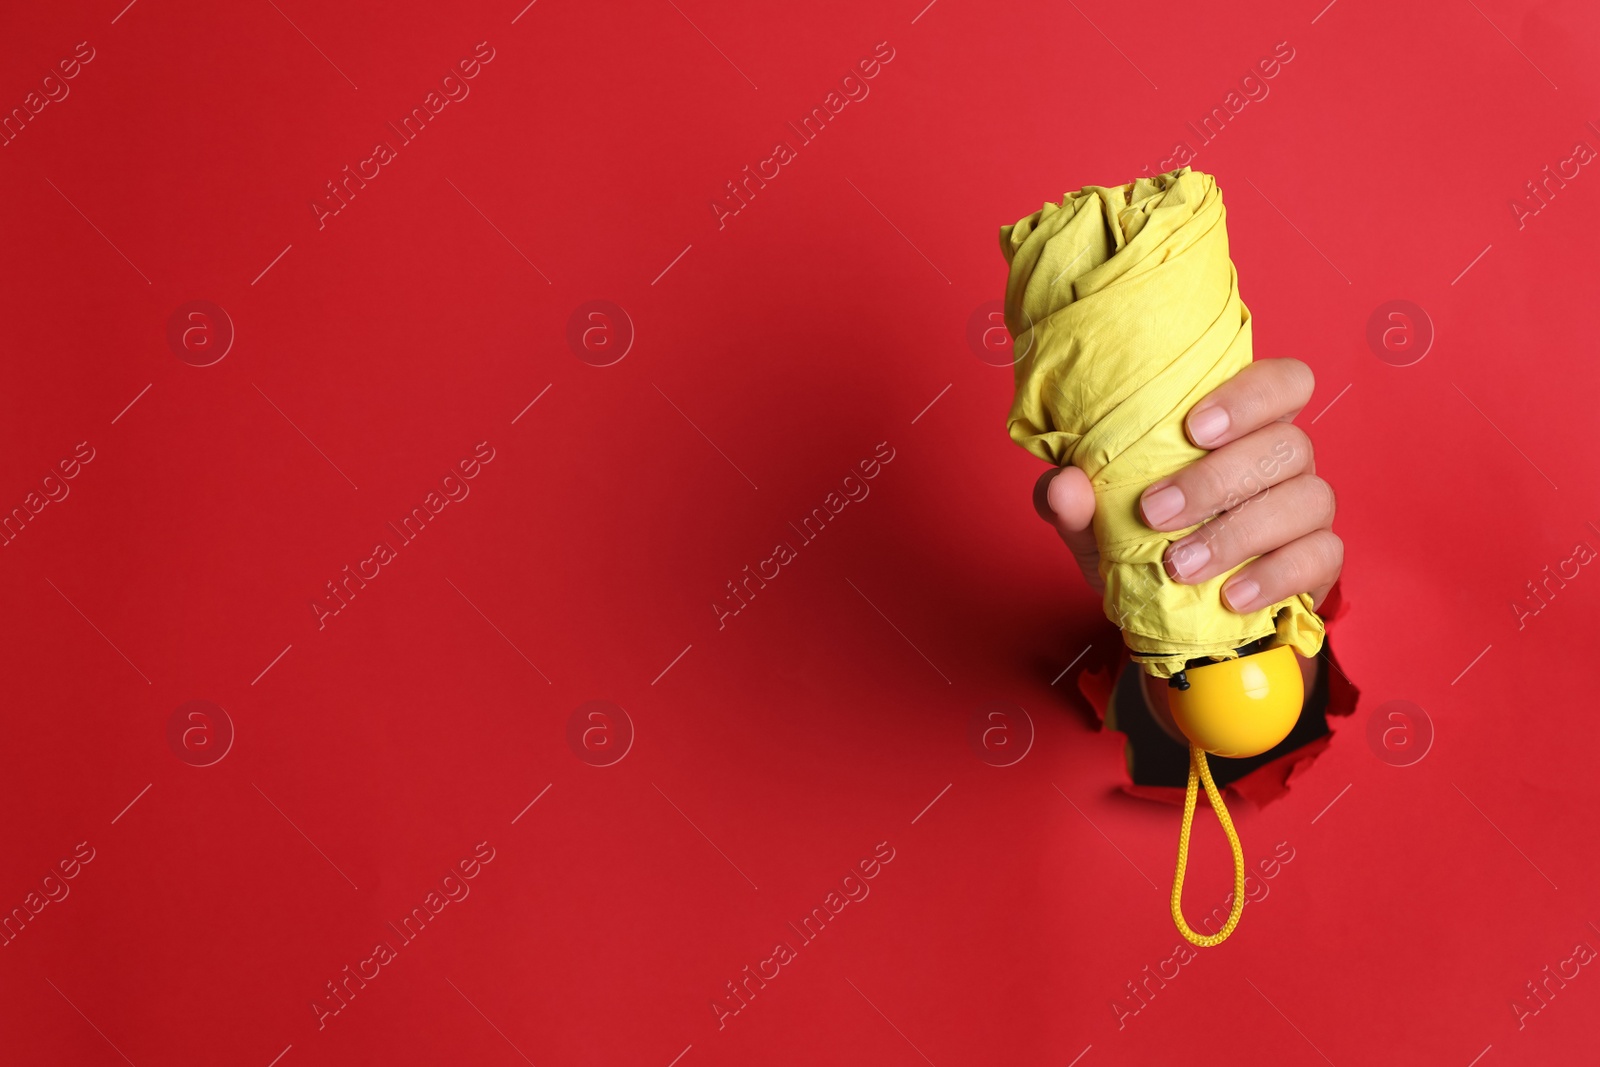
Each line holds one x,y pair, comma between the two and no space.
1125,312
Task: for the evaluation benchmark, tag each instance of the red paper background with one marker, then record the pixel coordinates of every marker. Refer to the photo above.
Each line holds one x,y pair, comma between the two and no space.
771,355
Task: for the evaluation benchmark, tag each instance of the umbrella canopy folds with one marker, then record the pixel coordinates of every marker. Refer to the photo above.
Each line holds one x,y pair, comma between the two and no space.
1124,309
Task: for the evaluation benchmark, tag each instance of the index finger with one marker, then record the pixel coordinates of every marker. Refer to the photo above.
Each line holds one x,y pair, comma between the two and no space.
1267,391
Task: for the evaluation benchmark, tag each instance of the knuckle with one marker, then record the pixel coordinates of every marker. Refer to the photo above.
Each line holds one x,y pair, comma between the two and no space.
1299,379
1298,442
1248,530
1327,500
1335,551
1257,397
1210,487
1317,561
1265,527
1296,572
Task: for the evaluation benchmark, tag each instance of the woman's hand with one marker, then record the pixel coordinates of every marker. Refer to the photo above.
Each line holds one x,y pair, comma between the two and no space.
1257,487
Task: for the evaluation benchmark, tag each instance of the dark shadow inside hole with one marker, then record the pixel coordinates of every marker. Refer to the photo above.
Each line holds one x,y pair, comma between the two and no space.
1155,759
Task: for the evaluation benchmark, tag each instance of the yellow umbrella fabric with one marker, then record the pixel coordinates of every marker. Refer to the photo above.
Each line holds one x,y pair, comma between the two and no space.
1125,311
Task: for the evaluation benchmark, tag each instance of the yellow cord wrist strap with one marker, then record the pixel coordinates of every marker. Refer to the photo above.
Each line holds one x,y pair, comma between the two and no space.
1200,773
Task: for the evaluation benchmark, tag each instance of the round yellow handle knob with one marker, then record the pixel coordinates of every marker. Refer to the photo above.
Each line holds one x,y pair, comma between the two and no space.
1240,707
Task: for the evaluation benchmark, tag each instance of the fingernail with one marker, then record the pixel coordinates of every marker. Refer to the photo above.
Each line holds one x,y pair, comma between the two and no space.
1207,425
1162,505
1189,556
1243,595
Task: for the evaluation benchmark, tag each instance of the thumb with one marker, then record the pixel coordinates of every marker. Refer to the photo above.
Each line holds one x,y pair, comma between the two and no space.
1064,498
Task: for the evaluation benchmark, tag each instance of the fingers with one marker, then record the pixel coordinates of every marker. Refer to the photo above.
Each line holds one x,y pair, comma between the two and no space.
1288,512
1258,480
1227,477
1266,391
1064,498
1310,563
